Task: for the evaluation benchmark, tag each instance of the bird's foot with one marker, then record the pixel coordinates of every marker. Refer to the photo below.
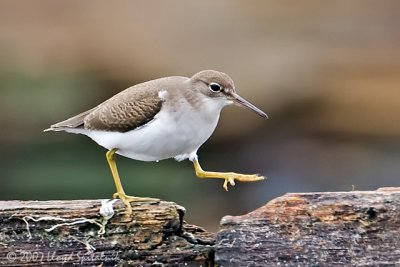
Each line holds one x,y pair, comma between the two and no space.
128,199
230,178
134,199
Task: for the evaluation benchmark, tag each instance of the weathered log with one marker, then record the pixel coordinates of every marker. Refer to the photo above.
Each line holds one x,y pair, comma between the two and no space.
315,229
76,233
303,229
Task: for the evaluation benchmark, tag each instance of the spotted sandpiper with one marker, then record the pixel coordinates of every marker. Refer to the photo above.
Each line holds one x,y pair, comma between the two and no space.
165,118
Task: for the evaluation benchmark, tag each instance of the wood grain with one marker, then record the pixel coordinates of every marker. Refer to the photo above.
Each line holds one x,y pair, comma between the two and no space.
37,233
360,228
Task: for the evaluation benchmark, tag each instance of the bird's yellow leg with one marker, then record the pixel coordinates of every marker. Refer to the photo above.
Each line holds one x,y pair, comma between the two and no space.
110,155
229,177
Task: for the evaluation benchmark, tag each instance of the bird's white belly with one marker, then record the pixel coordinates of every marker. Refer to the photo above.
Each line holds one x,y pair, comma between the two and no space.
167,136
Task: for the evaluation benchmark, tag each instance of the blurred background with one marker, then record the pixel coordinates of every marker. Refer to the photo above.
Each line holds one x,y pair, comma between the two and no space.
327,74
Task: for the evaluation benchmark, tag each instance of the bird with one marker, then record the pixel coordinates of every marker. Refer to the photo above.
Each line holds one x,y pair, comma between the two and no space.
165,118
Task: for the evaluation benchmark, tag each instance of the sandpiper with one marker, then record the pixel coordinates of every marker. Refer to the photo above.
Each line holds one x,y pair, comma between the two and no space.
165,118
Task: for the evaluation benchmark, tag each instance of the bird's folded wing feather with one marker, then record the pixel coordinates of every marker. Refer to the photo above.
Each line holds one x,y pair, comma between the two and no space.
123,112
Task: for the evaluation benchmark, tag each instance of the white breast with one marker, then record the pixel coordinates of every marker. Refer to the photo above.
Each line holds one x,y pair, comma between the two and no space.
173,133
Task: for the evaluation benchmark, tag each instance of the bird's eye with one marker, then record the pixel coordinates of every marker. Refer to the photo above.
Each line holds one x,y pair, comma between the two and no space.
215,87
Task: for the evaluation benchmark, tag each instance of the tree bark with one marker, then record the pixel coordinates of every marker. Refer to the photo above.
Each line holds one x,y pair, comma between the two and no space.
298,229
75,233
315,229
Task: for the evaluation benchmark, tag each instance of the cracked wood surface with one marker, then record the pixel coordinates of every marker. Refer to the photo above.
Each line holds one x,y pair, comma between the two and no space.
358,228
70,233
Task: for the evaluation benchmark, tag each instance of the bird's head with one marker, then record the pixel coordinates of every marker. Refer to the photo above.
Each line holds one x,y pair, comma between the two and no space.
218,86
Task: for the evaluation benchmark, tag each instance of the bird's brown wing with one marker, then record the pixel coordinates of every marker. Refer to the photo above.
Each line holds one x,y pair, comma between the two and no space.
125,111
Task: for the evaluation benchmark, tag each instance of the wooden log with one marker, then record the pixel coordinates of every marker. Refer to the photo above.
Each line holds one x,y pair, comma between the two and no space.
75,232
302,229
315,229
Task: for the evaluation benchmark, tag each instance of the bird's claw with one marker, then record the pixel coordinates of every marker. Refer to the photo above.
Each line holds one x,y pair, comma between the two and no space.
242,178
229,180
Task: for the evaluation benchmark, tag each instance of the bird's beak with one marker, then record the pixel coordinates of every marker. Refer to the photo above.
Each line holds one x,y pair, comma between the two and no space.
240,101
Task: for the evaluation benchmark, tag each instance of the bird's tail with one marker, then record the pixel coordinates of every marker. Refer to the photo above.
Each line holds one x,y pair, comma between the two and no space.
75,122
